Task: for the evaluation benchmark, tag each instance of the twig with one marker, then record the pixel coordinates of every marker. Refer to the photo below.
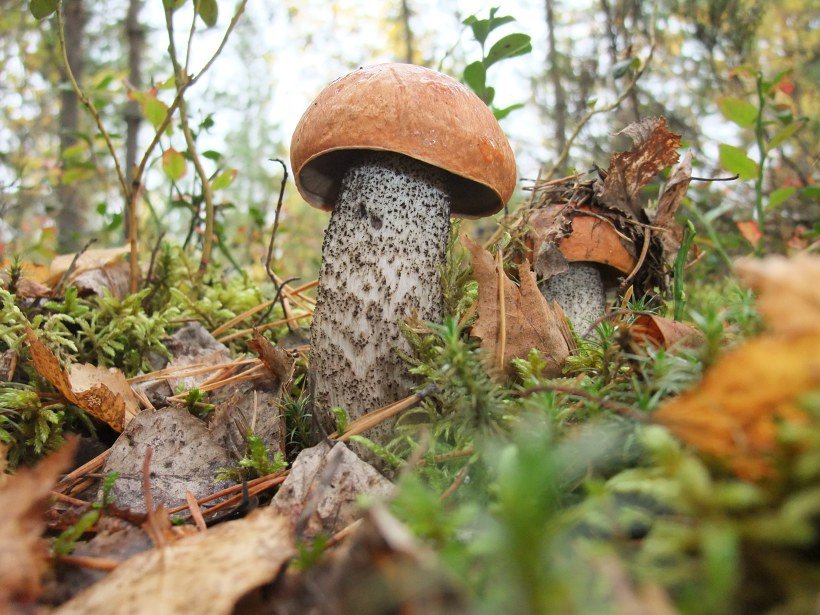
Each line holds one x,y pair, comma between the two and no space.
105,564
462,474
264,327
196,513
502,311
64,278
647,237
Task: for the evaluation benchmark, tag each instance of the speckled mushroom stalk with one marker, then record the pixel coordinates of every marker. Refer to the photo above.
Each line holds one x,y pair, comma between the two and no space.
580,293
381,255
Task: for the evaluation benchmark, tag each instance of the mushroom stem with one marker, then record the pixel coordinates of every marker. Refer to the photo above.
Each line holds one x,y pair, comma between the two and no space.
580,293
381,255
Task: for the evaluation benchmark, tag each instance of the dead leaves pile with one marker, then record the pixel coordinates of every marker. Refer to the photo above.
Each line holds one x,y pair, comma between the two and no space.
736,413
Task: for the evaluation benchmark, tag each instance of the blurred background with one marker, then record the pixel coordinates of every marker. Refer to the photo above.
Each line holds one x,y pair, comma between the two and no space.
58,188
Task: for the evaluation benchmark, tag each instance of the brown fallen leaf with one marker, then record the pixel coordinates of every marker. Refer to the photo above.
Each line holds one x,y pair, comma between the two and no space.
664,332
788,291
103,393
735,412
321,492
206,572
276,359
653,150
750,231
22,502
112,277
530,321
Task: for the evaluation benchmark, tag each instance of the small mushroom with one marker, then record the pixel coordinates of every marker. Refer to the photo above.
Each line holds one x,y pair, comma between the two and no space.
595,256
392,151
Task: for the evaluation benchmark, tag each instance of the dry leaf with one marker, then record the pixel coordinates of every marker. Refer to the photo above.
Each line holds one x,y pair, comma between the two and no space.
531,322
22,504
90,259
185,457
735,412
788,291
276,359
207,572
750,231
664,332
103,393
653,150
113,277
323,487
671,198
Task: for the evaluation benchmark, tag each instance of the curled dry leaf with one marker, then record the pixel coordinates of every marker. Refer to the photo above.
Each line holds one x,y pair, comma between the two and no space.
207,572
103,393
735,412
664,332
22,504
276,359
653,150
530,321
788,291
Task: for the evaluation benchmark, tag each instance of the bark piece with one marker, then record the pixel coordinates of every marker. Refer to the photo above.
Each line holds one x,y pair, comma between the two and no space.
185,457
531,322
326,483
207,572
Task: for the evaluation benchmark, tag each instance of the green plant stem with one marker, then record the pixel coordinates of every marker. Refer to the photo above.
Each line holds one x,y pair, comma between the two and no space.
678,292
761,148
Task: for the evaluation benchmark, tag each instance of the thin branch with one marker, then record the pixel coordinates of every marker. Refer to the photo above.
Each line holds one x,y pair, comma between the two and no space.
562,157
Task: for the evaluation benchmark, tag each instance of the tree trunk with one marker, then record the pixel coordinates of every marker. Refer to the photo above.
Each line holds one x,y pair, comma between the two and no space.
555,78
71,223
408,31
133,116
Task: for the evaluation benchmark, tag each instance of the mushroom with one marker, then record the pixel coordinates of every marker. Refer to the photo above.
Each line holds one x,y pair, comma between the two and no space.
594,256
392,151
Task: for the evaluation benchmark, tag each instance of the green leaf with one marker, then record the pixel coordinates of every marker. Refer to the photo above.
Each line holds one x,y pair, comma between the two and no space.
778,196
212,155
475,76
812,192
508,47
173,163
42,8
488,96
500,114
736,161
173,4
497,22
209,11
784,133
224,179
480,27
154,110
741,112
624,66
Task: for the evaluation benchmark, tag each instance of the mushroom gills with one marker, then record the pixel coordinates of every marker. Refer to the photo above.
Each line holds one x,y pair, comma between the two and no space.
381,255
580,293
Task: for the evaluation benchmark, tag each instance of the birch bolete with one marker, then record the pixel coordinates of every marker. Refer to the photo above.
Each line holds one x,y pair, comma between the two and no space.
392,151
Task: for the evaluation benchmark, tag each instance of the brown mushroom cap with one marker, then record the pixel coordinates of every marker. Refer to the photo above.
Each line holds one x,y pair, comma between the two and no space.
592,239
408,110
